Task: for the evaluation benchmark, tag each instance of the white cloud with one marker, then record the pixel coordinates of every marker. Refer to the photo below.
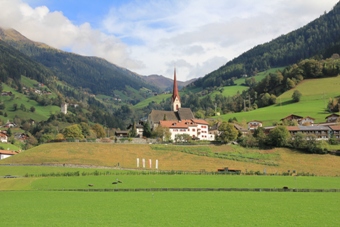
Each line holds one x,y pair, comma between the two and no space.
54,29
151,37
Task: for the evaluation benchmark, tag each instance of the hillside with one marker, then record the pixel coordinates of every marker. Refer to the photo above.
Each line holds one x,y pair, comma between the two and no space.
319,37
177,157
315,96
93,74
225,91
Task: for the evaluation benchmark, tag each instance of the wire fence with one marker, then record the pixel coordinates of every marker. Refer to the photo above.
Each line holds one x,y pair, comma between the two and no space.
194,190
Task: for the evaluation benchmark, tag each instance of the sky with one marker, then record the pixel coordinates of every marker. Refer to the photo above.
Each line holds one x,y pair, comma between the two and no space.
154,36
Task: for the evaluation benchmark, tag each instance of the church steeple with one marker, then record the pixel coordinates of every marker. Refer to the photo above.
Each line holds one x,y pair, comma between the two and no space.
176,101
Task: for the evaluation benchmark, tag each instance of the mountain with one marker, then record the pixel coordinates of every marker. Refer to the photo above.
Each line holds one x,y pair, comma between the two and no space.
320,37
93,74
13,64
165,84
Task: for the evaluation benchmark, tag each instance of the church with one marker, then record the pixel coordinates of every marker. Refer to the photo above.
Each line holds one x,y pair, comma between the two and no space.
180,120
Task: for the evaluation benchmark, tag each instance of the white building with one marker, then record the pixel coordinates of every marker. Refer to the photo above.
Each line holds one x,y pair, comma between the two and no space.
5,154
195,128
63,108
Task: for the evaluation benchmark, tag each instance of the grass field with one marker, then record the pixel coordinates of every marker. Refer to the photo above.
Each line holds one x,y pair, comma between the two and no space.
168,209
25,201
185,158
313,103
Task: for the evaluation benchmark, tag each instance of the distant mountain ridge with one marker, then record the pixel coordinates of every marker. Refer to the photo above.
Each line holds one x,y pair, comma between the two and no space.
94,74
319,37
165,83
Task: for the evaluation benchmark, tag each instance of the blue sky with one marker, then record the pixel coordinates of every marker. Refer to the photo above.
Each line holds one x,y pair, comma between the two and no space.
153,36
80,11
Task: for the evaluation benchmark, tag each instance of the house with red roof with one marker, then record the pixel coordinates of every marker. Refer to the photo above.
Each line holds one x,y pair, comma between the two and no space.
5,154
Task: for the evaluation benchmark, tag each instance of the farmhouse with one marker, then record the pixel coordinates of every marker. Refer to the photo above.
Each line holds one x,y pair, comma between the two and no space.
335,131
121,133
332,118
292,117
5,154
252,125
321,132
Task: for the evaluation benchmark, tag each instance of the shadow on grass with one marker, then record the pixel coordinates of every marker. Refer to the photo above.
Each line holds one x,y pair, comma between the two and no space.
288,102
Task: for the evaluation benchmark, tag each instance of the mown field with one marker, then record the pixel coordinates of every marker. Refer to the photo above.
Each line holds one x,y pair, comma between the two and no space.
185,158
313,103
36,208
33,201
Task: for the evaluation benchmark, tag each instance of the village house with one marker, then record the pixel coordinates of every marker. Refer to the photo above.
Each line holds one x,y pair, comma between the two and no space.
321,132
3,138
122,133
332,118
139,129
5,154
335,131
252,125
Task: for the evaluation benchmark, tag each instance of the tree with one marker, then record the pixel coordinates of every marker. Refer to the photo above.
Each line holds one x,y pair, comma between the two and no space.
296,96
279,136
299,141
73,131
32,109
228,132
162,132
23,107
9,132
100,132
15,106
182,138
146,129
85,128
133,131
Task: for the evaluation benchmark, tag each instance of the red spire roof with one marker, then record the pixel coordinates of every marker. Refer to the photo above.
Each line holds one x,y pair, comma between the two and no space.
175,89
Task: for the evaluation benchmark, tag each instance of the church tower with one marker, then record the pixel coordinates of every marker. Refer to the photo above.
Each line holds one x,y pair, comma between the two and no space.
175,100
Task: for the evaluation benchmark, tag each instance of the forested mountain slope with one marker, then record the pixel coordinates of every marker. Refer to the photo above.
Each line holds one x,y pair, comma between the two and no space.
13,64
320,37
96,75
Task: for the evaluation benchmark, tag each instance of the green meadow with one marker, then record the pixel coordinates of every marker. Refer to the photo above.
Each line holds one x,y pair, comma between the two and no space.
37,207
313,103
41,112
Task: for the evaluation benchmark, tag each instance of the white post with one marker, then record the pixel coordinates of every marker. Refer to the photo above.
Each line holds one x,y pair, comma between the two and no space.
150,162
156,163
143,160
137,162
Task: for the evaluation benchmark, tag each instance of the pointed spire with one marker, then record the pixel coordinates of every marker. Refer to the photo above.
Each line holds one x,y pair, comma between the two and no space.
175,88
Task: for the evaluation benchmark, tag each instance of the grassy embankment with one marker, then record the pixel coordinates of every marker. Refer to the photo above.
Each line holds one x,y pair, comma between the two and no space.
186,158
